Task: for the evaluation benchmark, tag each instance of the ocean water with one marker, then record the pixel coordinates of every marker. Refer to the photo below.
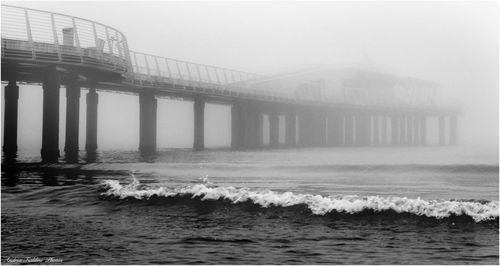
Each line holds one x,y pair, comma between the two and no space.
436,205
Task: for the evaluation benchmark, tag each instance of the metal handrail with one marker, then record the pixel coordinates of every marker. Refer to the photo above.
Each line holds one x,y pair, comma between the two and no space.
153,69
156,66
47,36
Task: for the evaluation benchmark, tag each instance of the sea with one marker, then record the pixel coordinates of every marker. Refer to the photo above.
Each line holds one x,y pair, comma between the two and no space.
384,205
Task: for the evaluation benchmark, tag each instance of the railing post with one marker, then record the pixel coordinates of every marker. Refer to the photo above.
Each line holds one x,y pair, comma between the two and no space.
77,40
208,74
217,75
189,71
118,47
30,36
147,66
135,62
56,41
96,39
157,66
225,76
110,47
178,69
137,65
199,73
94,31
168,68
126,51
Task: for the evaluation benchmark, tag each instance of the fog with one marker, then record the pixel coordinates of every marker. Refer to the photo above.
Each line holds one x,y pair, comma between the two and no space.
454,44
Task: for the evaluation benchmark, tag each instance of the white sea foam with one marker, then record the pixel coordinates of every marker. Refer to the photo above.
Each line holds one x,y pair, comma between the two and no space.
319,205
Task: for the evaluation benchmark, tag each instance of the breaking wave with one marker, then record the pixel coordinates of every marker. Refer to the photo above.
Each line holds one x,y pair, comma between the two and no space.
479,211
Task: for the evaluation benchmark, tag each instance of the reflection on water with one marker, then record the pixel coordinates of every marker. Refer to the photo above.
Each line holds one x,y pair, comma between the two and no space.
91,157
9,158
436,172
10,176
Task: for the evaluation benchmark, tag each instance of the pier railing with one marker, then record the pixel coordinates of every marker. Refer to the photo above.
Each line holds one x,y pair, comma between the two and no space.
31,34
152,69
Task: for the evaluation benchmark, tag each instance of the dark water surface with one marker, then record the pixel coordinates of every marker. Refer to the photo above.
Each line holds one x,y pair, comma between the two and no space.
312,206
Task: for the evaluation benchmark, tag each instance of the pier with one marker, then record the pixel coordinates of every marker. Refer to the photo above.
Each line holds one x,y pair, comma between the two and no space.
57,50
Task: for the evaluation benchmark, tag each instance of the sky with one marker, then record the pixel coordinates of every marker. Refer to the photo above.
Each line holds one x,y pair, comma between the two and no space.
454,44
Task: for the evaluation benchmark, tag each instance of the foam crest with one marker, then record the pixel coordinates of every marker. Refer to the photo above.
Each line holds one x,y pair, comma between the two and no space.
319,205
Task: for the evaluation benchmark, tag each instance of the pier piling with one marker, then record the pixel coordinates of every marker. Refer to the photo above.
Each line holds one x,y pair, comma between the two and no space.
50,127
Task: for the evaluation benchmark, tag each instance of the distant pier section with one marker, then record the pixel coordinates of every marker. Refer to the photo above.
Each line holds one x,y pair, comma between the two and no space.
315,108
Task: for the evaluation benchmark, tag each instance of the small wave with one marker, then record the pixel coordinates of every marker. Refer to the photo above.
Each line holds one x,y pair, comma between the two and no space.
451,168
215,239
479,211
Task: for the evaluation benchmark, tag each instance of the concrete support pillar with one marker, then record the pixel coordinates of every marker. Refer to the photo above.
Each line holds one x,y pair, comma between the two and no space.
304,129
301,141
384,140
237,126
363,130
147,133
251,126
91,130
11,95
258,135
441,128
349,130
274,126
453,130
256,128
335,129
409,130
72,119
395,130
245,124
199,124
320,128
50,128
312,131
416,130
368,130
358,130
376,130
402,130
291,129
423,130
